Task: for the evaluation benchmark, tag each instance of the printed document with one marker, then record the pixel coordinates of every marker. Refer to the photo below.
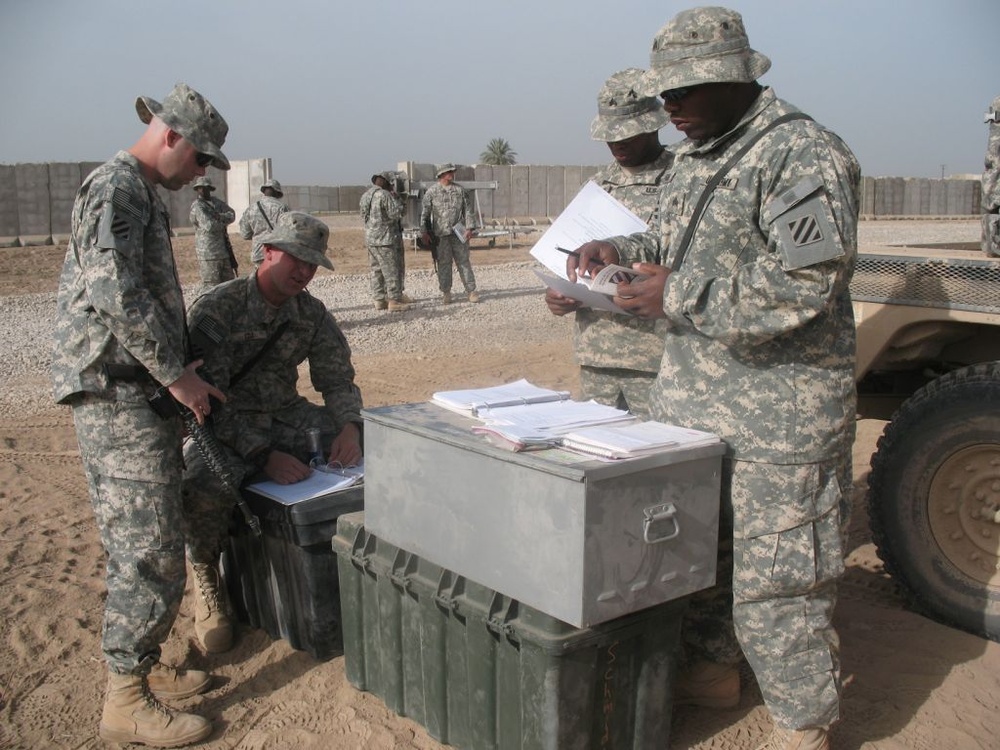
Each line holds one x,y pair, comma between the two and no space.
471,401
320,482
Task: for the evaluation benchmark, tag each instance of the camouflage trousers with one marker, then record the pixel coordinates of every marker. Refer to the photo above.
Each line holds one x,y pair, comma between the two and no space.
452,249
208,506
132,461
214,272
622,389
386,272
782,541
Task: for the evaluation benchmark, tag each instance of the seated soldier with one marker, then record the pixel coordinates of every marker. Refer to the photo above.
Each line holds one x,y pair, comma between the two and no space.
253,333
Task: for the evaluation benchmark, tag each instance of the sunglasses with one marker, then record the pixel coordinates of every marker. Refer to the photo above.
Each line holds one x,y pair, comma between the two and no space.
675,95
203,160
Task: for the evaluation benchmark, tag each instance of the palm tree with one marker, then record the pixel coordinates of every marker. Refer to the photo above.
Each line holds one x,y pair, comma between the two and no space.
498,153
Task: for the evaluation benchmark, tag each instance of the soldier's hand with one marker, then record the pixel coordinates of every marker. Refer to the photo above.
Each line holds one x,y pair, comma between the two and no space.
644,299
284,468
346,447
589,258
560,304
194,393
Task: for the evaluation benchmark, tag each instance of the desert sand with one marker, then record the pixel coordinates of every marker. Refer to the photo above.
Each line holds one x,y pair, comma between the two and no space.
909,682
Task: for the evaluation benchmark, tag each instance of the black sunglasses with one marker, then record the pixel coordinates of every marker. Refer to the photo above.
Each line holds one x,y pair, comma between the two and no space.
675,95
203,160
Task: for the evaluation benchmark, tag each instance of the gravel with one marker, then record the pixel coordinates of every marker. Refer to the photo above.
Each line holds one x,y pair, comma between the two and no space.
511,311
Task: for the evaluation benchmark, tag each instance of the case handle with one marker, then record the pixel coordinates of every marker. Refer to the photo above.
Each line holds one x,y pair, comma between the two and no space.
660,524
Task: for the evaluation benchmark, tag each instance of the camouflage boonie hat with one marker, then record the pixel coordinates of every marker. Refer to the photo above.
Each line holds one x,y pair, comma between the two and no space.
187,112
702,45
203,182
444,169
274,185
622,112
301,235
389,177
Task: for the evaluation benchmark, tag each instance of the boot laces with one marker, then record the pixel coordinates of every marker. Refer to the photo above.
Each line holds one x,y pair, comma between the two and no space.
153,702
208,586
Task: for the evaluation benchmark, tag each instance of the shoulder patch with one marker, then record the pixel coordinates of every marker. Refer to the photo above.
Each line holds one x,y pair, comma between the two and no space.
806,235
122,220
206,336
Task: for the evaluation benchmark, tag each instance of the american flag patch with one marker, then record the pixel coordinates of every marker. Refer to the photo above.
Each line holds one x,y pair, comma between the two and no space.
122,201
805,230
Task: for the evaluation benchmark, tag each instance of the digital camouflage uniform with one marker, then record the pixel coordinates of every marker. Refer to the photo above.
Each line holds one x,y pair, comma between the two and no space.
263,408
260,217
210,218
444,206
381,212
991,183
619,355
119,303
760,349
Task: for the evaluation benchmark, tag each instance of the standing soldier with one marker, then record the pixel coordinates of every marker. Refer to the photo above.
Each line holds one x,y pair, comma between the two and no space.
210,218
381,211
991,183
120,332
446,205
619,355
261,216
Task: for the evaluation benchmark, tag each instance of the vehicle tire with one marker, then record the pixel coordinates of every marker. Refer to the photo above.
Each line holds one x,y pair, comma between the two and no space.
934,498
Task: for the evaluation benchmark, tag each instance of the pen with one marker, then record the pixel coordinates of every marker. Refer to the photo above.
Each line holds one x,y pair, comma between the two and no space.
575,254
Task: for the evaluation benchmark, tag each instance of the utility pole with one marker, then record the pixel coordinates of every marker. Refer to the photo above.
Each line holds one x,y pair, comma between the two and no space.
942,170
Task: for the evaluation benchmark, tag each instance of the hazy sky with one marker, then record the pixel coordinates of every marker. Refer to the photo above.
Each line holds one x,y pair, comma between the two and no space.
333,91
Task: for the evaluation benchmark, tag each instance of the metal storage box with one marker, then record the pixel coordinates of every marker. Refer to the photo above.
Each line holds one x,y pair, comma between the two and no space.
582,540
482,671
285,582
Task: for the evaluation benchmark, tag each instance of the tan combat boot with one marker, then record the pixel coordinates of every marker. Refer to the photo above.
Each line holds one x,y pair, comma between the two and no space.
405,298
168,683
397,306
133,714
381,304
473,296
445,298
797,739
212,625
707,684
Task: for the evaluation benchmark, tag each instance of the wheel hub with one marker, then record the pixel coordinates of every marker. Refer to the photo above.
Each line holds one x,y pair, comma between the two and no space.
964,511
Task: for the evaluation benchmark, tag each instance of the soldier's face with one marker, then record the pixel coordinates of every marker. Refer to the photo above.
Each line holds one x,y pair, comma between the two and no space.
635,151
180,164
288,275
448,177
704,111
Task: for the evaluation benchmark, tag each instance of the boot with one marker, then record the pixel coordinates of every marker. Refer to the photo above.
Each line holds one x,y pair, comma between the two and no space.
798,739
212,625
381,304
445,298
133,714
397,306
406,299
473,296
709,685
168,683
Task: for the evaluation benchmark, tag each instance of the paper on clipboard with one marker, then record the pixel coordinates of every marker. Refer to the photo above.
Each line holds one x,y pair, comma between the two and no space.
581,292
593,214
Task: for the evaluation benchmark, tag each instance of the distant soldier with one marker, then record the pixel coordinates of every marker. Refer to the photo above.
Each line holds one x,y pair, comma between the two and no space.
446,205
210,216
991,183
261,216
381,210
619,355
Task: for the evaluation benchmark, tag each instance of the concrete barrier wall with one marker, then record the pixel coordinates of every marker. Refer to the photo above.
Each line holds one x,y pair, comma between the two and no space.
36,199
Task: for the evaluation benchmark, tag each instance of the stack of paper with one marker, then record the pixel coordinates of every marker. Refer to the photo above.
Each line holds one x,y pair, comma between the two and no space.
320,482
470,402
634,440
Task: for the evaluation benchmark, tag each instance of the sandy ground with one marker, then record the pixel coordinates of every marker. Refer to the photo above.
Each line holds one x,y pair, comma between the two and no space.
910,682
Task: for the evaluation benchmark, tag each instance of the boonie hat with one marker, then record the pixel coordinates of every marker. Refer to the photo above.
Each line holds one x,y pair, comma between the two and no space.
203,182
274,185
622,112
301,235
444,169
187,112
702,45
388,176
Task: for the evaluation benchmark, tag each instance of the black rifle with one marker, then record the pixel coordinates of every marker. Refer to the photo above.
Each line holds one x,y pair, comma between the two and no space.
232,255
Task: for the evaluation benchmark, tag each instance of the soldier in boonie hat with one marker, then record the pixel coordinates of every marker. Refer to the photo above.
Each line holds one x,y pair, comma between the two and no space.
622,112
301,235
188,113
702,45
444,169
203,183
274,186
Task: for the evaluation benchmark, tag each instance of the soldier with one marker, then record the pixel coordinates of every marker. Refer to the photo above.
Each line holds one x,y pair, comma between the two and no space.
381,211
619,355
253,334
444,206
759,234
991,183
261,217
210,216
120,331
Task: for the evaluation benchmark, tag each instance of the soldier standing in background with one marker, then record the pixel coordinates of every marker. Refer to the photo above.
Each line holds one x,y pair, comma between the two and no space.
759,237
991,183
619,355
445,205
120,331
381,211
261,216
210,218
